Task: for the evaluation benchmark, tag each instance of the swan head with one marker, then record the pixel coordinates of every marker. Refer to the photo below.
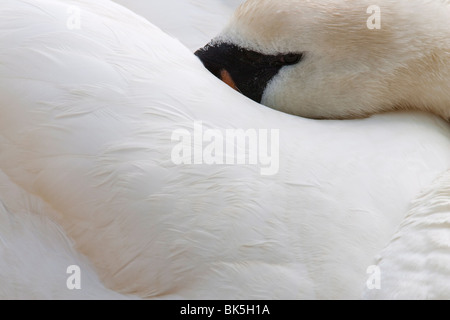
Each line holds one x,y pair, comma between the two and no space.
330,59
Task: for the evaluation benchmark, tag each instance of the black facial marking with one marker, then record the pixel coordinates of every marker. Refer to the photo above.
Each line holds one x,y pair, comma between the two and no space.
251,71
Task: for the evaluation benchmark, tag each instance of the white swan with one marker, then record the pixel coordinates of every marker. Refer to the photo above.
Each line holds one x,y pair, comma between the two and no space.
193,22
88,117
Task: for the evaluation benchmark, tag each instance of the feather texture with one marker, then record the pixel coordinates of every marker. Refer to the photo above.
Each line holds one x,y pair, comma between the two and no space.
86,127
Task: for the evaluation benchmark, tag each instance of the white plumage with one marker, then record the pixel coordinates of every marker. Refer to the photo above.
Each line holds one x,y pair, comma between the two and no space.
193,22
415,264
35,253
86,127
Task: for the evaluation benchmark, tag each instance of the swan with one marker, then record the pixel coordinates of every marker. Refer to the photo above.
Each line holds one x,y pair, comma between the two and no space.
91,118
193,22
325,60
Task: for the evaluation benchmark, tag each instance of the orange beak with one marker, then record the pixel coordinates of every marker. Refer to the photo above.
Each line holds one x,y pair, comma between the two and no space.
225,76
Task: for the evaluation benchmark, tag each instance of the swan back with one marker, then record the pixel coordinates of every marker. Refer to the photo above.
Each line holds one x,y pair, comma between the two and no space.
415,264
36,256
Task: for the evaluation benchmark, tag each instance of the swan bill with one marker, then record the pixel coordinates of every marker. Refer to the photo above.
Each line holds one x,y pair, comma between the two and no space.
246,71
226,77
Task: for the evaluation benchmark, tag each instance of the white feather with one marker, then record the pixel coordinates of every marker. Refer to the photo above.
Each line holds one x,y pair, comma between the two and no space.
193,22
86,126
415,265
35,254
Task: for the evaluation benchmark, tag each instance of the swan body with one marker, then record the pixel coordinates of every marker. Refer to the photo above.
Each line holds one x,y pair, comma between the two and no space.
88,117
415,265
338,68
35,253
